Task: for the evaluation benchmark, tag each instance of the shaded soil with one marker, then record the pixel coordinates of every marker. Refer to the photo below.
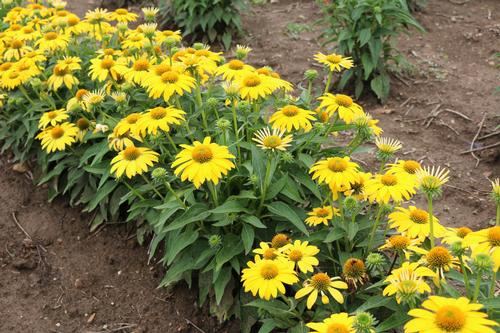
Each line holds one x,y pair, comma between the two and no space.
64,279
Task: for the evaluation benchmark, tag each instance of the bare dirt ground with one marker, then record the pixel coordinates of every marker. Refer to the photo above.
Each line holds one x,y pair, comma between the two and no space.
67,280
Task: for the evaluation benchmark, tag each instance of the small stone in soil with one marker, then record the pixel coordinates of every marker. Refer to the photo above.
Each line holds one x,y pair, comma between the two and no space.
23,264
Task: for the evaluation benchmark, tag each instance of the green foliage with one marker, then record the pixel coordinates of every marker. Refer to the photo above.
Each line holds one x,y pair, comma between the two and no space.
366,30
295,29
205,20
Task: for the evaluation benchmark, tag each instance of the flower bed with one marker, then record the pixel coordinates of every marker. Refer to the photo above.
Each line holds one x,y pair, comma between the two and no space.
218,163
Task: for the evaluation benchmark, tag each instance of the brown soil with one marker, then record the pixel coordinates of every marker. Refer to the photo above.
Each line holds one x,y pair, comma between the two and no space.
67,280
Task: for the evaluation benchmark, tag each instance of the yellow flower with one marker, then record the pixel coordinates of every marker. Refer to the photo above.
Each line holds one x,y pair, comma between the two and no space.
388,145
346,108
333,61
322,284
120,142
161,36
267,252
128,124
321,215
447,315
70,63
439,259
337,172
336,323
455,235
291,117
234,69
486,241
406,168
168,83
302,255
83,125
254,86
432,179
159,118
495,192
387,187
407,281
274,79
268,277
354,272
415,223
97,16
203,161
15,50
52,118
90,99
102,69
280,240
53,41
122,15
135,40
272,141
62,76
133,161
58,137
138,72
357,188
401,243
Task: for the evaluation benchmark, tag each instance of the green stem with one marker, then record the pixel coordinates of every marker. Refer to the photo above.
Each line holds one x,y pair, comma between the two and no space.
169,188
265,184
493,283
25,93
152,186
213,192
328,82
431,219
133,190
235,125
309,93
466,276
498,216
374,230
478,285
172,143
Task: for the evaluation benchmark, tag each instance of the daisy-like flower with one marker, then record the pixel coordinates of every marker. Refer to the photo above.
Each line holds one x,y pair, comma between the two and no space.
162,36
122,15
133,161
365,121
58,137
62,75
268,252
334,62
387,146
134,40
168,83
354,272
268,277
456,235
92,98
337,172
102,69
274,78
52,118
159,118
150,13
495,192
407,282
486,241
302,255
336,323
387,187
280,240
439,259
254,86
16,50
83,125
407,168
430,180
52,41
242,51
415,223
321,215
128,124
137,72
401,244
120,142
119,97
292,117
203,162
97,16
234,69
346,108
447,315
70,63
322,284
357,188
274,140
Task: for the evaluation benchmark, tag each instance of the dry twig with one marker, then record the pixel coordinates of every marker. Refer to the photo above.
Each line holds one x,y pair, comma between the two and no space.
471,150
488,135
194,325
481,148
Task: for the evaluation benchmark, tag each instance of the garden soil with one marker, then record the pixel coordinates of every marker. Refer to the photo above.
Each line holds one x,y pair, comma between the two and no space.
55,276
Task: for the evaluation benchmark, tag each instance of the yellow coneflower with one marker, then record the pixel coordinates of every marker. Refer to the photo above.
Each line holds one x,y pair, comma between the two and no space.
162,36
415,223
52,41
389,186
16,50
254,86
321,215
336,323
84,126
388,146
76,101
407,282
268,252
102,69
338,172
354,272
322,284
302,255
159,118
346,108
122,15
93,98
62,75
97,16
150,13
168,83
280,240
486,241
133,161
439,259
292,117
234,69
274,140
268,277
333,61
58,137
430,180
52,118
401,244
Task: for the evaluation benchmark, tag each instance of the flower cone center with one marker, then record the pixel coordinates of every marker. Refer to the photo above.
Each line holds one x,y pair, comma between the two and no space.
322,212
279,240
170,77
141,65
290,111
494,236
334,58
295,255
450,318
132,118
337,164
337,328
463,231
343,100
50,35
269,254
131,153
158,113
236,65
419,216
252,81
320,281
202,154
399,242
107,63
269,271
57,132
439,257
411,166
389,180
272,141
80,93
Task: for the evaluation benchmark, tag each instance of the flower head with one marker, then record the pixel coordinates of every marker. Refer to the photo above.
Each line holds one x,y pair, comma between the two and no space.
321,284
292,117
302,255
336,323
354,272
274,140
430,180
321,215
334,62
407,282
133,161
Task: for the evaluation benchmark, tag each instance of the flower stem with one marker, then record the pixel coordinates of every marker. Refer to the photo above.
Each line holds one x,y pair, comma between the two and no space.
374,229
171,142
213,192
235,125
478,285
152,186
498,216
169,188
265,184
328,81
133,190
466,276
431,219
493,283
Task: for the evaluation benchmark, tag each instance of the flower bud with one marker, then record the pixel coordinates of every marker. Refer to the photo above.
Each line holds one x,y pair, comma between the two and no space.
199,46
482,262
215,241
364,322
223,124
310,74
159,174
375,261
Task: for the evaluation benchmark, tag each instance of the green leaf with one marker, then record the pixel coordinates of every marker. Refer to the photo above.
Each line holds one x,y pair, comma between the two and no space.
221,283
280,208
364,36
395,320
253,220
334,234
177,242
101,195
231,248
232,206
380,86
273,306
247,236
197,212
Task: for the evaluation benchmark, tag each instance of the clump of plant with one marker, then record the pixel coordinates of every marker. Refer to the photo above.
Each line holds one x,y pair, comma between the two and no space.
366,31
248,187
208,21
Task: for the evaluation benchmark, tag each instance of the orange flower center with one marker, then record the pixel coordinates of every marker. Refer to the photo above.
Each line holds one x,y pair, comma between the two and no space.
295,255
121,11
15,27
337,328
354,267
131,153
411,166
158,113
252,81
399,242
109,52
269,271
17,44
59,71
13,75
51,35
141,65
322,212
290,110
494,236
5,66
162,68
439,257
419,216
132,118
107,63
463,231
170,77
450,318
334,58
320,281
73,20
343,100
388,180
337,164
269,254
80,93
57,132
272,141
28,30
202,154
52,115
236,65
264,71
279,240
82,124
